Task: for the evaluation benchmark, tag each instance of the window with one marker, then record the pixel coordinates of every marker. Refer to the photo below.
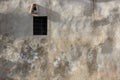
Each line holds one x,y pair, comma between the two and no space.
40,25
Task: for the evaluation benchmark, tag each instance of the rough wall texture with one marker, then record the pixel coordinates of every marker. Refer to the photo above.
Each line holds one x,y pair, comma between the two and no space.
82,41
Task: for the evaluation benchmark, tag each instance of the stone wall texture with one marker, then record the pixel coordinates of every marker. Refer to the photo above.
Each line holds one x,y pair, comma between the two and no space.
83,41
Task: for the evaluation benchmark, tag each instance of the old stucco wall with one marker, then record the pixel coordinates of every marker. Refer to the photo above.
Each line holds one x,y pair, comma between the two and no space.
82,41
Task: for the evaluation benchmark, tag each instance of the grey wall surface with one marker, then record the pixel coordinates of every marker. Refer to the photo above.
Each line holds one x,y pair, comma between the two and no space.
82,41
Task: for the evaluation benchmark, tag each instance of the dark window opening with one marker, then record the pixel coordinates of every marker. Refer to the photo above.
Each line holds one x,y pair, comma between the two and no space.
40,25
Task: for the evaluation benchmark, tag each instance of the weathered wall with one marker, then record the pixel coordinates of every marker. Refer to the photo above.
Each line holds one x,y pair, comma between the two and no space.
82,41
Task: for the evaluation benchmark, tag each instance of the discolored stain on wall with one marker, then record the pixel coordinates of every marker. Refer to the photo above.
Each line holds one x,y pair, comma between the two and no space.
92,61
107,46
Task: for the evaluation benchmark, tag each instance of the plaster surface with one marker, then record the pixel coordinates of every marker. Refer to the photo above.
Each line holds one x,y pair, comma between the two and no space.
82,41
